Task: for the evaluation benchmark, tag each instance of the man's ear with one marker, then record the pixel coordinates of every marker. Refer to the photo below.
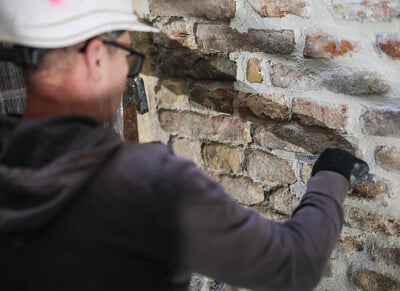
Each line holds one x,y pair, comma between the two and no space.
94,58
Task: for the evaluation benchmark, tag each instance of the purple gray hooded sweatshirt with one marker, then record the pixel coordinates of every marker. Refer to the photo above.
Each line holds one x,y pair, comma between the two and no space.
81,211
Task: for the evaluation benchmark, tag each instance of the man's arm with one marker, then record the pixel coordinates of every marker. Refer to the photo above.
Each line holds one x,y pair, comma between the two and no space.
219,238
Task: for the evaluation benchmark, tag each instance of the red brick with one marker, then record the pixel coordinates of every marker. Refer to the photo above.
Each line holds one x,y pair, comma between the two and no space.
266,167
324,46
366,10
175,33
325,115
389,44
388,158
290,77
197,126
296,138
222,38
352,81
381,121
210,9
217,96
186,63
266,106
280,8
343,80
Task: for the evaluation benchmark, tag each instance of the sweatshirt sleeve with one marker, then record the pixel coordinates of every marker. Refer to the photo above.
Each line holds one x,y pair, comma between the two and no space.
221,239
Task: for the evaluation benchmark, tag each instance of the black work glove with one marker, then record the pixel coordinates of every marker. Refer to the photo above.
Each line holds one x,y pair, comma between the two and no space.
342,162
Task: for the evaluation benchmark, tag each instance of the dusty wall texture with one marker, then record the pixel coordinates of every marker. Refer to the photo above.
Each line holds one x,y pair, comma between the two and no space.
253,90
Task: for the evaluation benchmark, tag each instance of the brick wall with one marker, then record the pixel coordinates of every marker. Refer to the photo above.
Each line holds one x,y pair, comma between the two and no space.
253,90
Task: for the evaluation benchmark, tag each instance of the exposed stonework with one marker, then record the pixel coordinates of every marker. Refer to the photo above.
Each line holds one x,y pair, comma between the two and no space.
185,63
254,90
218,96
223,158
345,80
381,121
388,44
368,280
297,138
210,9
365,220
268,168
388,158
254,74
274,8
242,189
312,113
222,38
369,190
218,128
283,201
187,148
272,106
324,46
366,10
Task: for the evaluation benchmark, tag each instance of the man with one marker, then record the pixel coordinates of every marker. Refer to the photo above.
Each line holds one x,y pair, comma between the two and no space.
81,211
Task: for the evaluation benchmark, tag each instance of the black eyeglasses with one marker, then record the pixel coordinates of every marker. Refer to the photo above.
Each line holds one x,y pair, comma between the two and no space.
135,59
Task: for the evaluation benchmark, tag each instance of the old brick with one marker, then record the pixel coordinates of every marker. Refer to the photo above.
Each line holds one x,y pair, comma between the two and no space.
290,77
216,128
297,138
306,171
368,280
187,148
268,106
222,38
388,158
175,33
366,10
142,42
388,44
369,190
381,121
185,63
269,168
324,46
173,94
350,244
266,211
274,8
351,82
254,74
242,189
359,218
217,96
210,9
325,115
282,200
345,80
223,158
390,254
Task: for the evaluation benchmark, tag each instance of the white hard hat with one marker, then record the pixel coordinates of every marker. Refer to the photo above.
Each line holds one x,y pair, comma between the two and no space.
61,23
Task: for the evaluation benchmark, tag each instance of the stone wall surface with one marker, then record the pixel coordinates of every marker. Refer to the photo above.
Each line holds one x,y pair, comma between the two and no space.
253,90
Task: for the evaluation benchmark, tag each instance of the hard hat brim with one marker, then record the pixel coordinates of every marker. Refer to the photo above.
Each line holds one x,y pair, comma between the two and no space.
67,33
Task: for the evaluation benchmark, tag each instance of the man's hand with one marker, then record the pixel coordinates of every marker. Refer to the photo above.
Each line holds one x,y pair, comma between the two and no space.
342,162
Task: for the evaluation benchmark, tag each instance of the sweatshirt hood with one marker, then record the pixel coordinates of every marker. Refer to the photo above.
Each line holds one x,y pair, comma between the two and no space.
45,163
